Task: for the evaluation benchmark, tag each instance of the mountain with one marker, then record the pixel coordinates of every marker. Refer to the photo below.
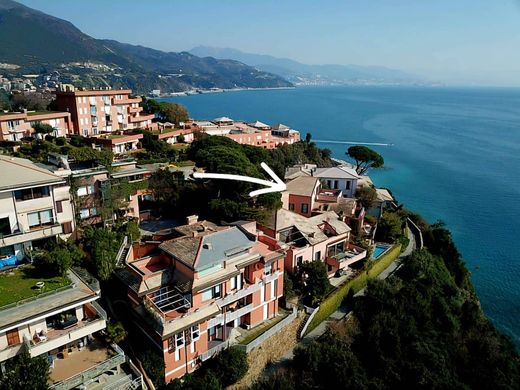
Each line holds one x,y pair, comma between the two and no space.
306,74
34,42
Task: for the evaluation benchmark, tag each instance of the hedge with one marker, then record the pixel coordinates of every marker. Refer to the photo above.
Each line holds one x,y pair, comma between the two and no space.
333,301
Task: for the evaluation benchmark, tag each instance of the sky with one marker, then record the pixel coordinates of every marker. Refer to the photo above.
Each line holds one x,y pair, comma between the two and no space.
455,41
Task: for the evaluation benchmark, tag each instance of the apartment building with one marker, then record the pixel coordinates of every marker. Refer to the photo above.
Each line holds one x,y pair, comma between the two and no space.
323,237
35,206
63,324
16,125
96,112
194,293
93,187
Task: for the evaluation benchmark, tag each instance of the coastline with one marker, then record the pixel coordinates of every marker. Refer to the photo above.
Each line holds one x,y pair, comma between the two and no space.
192,92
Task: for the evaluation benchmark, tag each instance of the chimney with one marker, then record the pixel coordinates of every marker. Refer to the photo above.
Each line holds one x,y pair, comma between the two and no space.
192,219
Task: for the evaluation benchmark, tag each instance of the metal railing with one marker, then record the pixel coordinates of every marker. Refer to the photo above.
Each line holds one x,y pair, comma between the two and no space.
89,374
30,299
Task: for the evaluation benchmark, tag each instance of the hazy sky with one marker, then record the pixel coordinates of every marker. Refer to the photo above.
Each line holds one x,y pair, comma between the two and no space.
467,41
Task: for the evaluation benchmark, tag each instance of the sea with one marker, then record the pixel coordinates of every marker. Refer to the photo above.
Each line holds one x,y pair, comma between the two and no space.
451,154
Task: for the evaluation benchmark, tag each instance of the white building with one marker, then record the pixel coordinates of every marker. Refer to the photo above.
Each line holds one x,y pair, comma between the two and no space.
339,178
35,206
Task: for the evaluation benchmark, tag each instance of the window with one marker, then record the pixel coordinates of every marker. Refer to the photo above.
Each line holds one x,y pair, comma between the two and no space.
59,206
85,132
40,218
5,226
268,268
13,337
336,184
179,340
67,227
88,212
212,292
317,255
291,206
32,193
195,332
86,190
299,260
236,282
336,248
305,208
347,185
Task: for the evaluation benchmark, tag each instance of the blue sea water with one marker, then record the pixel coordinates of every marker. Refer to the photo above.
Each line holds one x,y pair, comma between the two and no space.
454,156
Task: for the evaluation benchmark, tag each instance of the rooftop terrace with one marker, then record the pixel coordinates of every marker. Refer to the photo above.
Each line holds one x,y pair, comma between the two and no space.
20,284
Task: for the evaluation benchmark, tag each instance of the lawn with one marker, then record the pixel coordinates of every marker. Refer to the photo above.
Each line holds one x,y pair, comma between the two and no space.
20,284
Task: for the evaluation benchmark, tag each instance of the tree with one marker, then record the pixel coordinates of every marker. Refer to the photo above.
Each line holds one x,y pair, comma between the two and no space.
43,128
390,227
367,196
116,332
313,281
173,112
181,139
58,257
102,246
23,372
365,158
230,365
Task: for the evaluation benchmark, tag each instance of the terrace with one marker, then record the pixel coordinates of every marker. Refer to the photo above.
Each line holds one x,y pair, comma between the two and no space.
328,195
18,285
340,258
94,366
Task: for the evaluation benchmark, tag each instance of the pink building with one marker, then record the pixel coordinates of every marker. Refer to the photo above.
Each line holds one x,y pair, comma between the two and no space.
103,111
323,237
16,125
196,292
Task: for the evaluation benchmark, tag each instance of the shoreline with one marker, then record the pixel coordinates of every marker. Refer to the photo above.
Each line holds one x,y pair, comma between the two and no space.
193,92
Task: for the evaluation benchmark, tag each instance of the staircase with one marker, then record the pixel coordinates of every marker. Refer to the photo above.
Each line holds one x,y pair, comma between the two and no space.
302,325
124,251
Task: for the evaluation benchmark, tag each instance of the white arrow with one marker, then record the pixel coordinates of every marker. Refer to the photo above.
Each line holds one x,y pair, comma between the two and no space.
272,186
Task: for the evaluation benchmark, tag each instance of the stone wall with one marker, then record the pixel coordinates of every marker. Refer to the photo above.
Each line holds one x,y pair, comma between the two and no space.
269,351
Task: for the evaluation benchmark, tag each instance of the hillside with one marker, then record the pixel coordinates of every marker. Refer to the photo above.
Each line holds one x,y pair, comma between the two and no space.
35,42
304,73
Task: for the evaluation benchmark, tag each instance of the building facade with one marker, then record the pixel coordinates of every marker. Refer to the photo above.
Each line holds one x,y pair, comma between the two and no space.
35,206
103,111
16,125
195,293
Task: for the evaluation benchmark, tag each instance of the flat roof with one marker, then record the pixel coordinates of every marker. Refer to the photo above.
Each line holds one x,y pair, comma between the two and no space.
19,173
38,307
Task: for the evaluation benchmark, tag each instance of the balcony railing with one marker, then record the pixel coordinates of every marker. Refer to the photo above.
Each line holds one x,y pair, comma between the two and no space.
239,294
90,374
30,235
230,315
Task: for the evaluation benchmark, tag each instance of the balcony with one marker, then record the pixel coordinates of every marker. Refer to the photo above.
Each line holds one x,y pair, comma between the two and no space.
55,338
230,315
135,109
141,118
239,294
93,366
127,100
326,195
349,256
33,234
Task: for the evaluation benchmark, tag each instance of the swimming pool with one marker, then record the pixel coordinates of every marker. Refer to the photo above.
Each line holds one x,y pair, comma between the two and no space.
379,249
